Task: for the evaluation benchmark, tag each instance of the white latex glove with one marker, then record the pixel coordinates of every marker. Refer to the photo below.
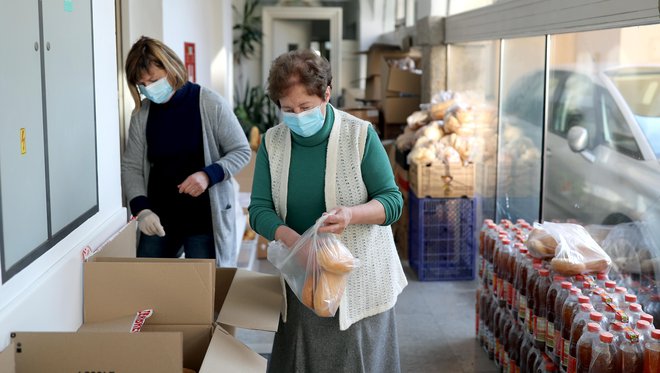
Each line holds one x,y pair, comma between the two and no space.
149,223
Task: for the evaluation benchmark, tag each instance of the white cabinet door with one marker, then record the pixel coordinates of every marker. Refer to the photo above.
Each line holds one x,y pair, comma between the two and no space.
23,211
70,120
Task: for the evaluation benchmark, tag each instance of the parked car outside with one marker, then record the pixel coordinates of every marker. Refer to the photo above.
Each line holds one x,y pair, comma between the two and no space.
602,142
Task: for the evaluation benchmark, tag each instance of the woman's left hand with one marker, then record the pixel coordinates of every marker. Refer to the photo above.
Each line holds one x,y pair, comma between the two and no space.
195,184
338,219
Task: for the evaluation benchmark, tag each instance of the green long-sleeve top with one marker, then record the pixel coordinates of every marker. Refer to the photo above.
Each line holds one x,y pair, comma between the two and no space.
306,197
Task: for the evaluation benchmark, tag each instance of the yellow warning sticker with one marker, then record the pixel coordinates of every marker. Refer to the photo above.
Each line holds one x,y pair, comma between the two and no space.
23,147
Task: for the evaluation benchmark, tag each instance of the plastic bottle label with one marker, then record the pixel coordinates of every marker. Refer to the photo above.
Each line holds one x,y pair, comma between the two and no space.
550,336
572,364
564,352
505,362
511,291
541,327
495,284
505,291
559,346
522,310
513,368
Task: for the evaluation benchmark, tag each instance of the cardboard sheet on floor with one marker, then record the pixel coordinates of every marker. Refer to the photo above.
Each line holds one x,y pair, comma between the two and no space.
243,359
7,364
98,352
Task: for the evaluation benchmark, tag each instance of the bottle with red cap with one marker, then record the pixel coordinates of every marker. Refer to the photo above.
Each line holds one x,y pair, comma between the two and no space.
532,277
652,353
513,342
621,293
618,329
552,295
541,288
649,318
522,268
629,355
505,252
601,277
527,343
559,304
585,345
578,281
628,299
567,313
634,312
497,338
582,317
644,328
485,228
602,355
533,357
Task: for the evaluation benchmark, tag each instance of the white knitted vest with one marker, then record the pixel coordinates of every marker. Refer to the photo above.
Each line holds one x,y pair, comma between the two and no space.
374,286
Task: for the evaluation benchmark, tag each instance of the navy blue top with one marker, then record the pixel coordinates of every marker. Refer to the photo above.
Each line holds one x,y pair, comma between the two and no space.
175,151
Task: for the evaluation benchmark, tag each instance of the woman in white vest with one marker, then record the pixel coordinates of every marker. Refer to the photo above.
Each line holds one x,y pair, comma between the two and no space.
323,160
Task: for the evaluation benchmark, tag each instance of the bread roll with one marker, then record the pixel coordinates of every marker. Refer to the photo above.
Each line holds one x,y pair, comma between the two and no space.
451,124
567,268
541,243
327,295
437,110
335,258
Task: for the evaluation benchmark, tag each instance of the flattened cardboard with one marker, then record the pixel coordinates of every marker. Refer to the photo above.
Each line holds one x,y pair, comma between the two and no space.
7,363
179,291
253,301
196,339
98,352
228,355
122,244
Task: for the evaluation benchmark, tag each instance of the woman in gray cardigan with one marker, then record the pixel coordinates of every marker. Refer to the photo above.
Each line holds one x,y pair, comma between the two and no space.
184,144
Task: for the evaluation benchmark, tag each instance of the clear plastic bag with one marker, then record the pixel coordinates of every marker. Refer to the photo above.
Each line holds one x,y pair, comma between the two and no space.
540,243
316,268
576,251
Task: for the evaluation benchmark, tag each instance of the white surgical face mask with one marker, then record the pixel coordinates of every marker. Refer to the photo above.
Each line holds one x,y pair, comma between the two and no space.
159,91
305,124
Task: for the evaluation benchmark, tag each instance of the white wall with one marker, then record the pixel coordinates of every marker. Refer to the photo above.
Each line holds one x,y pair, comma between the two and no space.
47,295
292,32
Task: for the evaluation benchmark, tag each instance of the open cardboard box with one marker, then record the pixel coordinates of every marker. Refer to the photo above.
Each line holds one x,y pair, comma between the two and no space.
194,304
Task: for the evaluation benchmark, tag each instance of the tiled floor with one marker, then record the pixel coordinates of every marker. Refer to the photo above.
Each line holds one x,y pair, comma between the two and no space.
435,322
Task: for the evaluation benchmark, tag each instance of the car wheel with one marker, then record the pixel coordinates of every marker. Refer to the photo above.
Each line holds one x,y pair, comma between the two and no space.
616,218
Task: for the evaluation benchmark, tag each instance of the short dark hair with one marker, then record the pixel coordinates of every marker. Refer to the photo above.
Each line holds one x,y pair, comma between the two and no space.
304,67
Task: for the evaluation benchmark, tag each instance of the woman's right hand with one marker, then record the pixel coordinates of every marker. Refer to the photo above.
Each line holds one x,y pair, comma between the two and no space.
287,235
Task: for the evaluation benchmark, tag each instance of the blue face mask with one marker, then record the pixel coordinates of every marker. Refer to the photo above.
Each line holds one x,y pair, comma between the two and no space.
305,124
159,91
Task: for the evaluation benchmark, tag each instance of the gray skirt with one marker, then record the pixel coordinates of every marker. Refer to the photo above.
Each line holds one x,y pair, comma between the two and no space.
308,343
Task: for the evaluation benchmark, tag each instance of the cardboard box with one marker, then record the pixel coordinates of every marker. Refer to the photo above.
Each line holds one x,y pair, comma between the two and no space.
396,82
7,363
397,109
372,90
374,56
369,113
403,81
186,296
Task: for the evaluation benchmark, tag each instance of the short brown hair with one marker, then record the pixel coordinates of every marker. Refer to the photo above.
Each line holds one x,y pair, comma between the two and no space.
304,67
147,52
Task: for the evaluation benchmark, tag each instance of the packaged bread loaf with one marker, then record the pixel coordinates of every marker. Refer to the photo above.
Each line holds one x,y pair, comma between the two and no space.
540,243
576,252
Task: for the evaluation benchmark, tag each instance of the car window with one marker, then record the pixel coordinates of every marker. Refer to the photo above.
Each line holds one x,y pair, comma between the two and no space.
575,107
616,131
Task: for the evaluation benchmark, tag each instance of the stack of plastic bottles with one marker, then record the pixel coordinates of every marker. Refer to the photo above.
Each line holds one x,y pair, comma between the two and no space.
532,320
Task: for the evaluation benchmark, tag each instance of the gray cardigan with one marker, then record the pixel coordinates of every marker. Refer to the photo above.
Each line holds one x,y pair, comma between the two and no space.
224,144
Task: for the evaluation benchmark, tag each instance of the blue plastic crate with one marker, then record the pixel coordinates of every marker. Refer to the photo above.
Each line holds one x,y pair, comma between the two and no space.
442,238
